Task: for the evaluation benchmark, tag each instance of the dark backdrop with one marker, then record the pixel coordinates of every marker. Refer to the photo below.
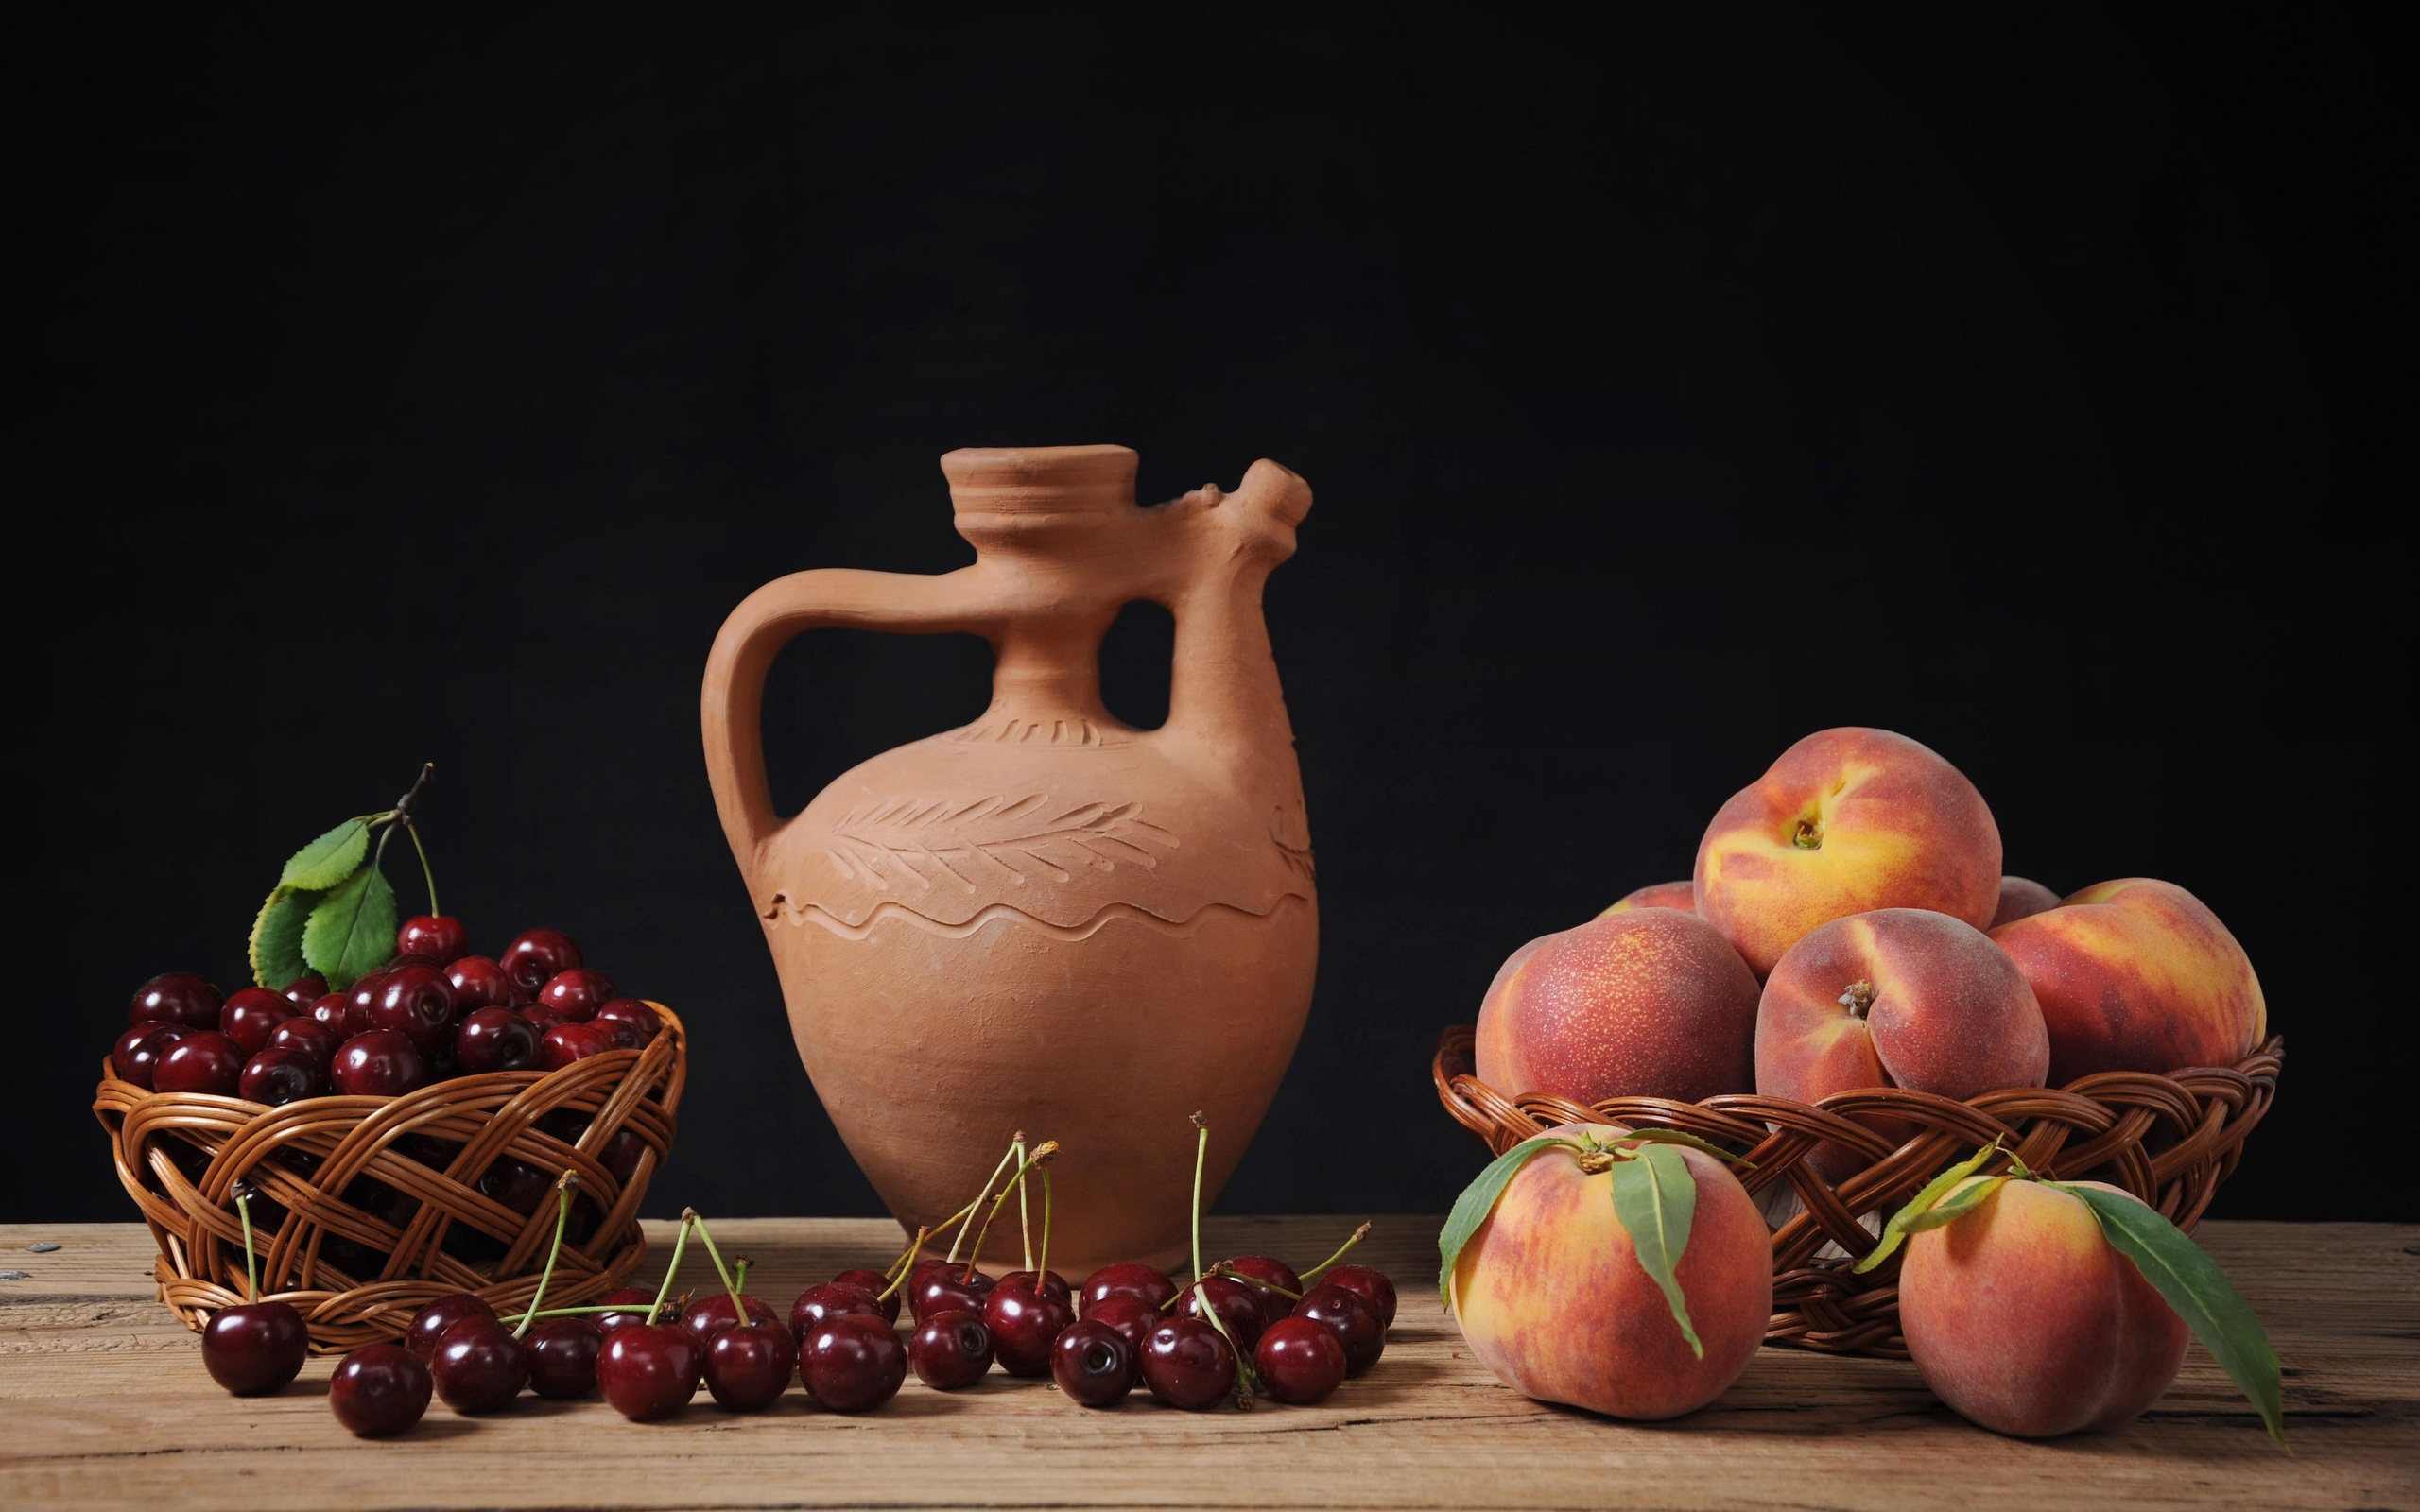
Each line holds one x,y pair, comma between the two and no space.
402,389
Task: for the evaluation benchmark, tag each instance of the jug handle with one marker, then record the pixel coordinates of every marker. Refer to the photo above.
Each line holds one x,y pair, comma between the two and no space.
732,704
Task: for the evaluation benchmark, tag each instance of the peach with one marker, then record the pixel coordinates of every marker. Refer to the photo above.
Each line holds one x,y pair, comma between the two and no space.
1900,997
1649,1003
1847,821
2024,1318
2137,976
2022,898
1551,1296
1659,894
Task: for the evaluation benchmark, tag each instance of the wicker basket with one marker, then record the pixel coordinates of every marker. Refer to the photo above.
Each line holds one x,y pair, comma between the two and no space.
370,1207
2169,1140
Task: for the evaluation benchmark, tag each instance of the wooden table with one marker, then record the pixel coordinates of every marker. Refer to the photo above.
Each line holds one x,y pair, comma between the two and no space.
103,1403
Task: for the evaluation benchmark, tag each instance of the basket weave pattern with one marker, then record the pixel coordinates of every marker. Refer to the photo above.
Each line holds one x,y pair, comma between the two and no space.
2169,1140
370,1207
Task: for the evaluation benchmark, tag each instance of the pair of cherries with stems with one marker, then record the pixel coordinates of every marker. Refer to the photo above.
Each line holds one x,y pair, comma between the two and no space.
965,1321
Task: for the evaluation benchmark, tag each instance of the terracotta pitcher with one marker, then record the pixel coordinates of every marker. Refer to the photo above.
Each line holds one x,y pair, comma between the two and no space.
1046,919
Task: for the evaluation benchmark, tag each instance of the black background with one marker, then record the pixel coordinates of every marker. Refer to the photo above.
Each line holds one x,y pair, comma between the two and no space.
394,389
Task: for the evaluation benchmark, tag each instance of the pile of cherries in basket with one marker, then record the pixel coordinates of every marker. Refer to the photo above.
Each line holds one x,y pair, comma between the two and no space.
433,1012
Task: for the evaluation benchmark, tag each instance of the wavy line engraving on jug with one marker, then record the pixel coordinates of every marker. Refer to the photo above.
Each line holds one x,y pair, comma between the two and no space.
969,843
782,909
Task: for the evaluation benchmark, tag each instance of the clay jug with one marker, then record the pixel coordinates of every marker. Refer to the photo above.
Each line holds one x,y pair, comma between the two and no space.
1046,920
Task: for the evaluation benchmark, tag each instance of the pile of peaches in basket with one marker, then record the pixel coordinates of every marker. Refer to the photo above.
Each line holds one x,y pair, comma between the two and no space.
1848,928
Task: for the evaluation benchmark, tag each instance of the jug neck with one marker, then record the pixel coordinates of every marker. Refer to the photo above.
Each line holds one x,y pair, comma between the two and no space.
1046,671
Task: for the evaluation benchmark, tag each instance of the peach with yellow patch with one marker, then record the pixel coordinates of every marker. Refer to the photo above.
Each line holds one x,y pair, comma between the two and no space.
1847,821
1649,1003
2137,976
2024,1318
1658,895
1900,997
1552,1299
2022,898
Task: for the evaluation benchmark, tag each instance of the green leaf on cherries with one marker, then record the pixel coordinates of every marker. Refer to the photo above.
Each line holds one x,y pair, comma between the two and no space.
1674,1136
352,930
1903,1223
276,946
2200,1292
1655,1197
328,860
1479,1200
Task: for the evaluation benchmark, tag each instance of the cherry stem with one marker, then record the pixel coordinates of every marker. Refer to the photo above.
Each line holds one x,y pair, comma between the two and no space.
739,1271
1044,1268
1041,1152
1200,1155
1341,1251
1222,1268
1024,1211
1247,1380
900,1266
680,1243
252,1276
715,1255
427,876
563,1214
1014,1145
907,1265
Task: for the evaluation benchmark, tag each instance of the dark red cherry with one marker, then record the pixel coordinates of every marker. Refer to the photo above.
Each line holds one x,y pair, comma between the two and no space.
255,1349
430,1324
566,1042
361,998
1093,1363
334,1013
875,1283
631,1022
577,995
309,1037
621,1156
944,1286
1125,1278
852,1363
138,1051
1299,1360
478,1366
1130,1315
304,991
277,1077
417,1003
1052,1284
716,1314
248,1017
636,1302
950,1351
542,1018
1187,1364
830,1300
441,939
175,997
1239,1306
380,1063
748,1368
202,1061
1024,1324
563,1358
1349,1317
478,983
379,1389
648,1370
516,1184
536,956
1371,1286
494,1039
1273,1304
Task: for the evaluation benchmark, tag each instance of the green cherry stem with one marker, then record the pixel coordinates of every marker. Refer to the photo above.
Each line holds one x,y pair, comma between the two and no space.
1200,1155
680,1243
243,1195
1223,1269
712,1253
1024,1212
897,1266
739,1271
563,1214
906,1266
1041,1152
427,876
1044,1268
1015,1143
1341,1251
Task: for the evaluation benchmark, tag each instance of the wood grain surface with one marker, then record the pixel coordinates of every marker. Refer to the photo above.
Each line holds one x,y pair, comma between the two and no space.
104,1403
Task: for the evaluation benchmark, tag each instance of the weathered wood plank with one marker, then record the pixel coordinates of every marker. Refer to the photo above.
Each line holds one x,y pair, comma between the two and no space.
103,1403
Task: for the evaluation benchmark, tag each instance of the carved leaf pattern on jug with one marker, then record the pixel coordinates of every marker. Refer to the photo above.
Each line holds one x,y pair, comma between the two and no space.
1029,839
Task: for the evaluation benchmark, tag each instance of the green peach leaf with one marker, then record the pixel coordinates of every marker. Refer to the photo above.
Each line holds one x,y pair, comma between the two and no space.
1896,1230
1955,1206
352,930
1478,1201
1674,1136
1655,1197
328,860
276,946
2200,1292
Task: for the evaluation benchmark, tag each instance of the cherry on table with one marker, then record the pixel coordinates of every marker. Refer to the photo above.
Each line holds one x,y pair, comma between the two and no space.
1024,1324
247,1017
175,997
277,1077
307,1037
716,1314
633,1023
379,1389
304,991
478,1366
875,1283
1237,1303
255,1349
378,1063
1125,1278
478,983
441,938
430,1324
830,1300
947,1286
1349,1317
577,995
202,1061
566,1042
950,1351
1188,1363
1299,1361
562,1357
495,1038
1274,1304
1370,1285
1050,1282
1094,1364
852,1363
137,1053
417,1003
535,957
648,1370
749,1366
1130,1315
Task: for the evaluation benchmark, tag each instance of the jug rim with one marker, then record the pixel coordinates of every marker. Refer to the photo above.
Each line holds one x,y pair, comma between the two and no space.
1035,479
